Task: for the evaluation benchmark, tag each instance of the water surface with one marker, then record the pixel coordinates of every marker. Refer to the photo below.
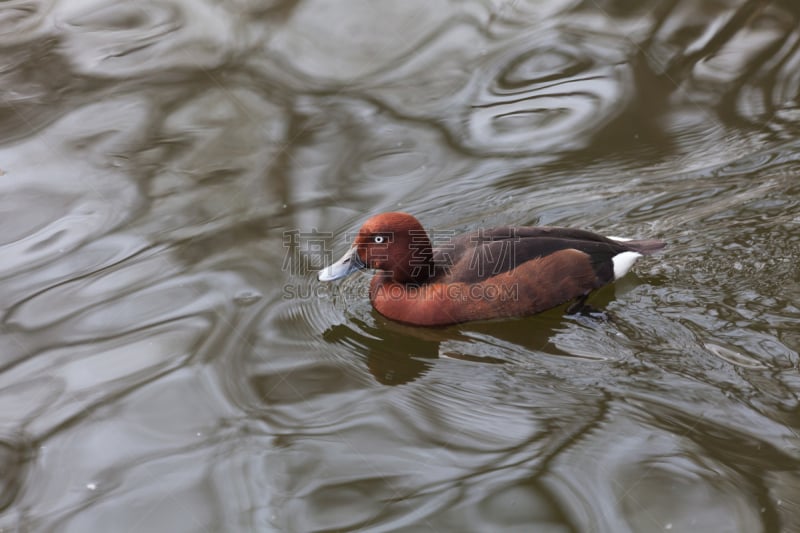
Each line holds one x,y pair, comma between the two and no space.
174,172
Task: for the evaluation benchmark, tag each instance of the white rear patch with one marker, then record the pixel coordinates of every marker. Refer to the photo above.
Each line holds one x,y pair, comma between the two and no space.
619,239
623,262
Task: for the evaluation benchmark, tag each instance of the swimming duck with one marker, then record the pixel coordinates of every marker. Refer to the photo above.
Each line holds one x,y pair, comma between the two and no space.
489,273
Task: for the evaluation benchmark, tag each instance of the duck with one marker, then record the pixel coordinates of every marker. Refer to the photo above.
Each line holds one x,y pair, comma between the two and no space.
489,273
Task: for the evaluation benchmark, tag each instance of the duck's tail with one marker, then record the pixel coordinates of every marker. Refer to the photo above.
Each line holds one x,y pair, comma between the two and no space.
642,246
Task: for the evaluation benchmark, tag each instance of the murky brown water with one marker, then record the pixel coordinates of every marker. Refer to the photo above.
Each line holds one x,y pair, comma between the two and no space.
171,171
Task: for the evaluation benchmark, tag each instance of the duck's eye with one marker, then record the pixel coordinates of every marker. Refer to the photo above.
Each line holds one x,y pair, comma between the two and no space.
379,239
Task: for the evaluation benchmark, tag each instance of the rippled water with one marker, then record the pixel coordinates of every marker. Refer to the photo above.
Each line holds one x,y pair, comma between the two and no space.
173,172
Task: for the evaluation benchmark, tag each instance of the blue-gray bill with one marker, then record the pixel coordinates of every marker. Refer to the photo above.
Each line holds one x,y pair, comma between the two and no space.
345,266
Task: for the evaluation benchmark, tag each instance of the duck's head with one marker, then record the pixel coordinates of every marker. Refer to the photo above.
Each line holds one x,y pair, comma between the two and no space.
391,242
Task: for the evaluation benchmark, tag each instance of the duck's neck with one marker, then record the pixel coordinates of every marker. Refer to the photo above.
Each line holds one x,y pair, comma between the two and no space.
418,266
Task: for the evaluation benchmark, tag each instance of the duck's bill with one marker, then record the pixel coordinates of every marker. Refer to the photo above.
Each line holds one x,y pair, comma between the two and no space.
345,266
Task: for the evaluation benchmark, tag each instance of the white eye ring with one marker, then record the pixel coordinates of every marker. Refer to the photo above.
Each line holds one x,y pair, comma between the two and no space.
379,239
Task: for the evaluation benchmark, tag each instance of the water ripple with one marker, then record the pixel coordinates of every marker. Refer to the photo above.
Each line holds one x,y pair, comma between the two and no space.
84,376
546,95
80,219
110,39
30,98
14,457
21,20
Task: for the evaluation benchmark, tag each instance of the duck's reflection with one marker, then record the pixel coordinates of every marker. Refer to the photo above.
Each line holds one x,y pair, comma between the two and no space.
396,354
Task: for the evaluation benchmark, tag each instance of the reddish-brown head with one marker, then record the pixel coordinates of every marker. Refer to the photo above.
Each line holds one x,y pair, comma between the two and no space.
397,243
393,242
